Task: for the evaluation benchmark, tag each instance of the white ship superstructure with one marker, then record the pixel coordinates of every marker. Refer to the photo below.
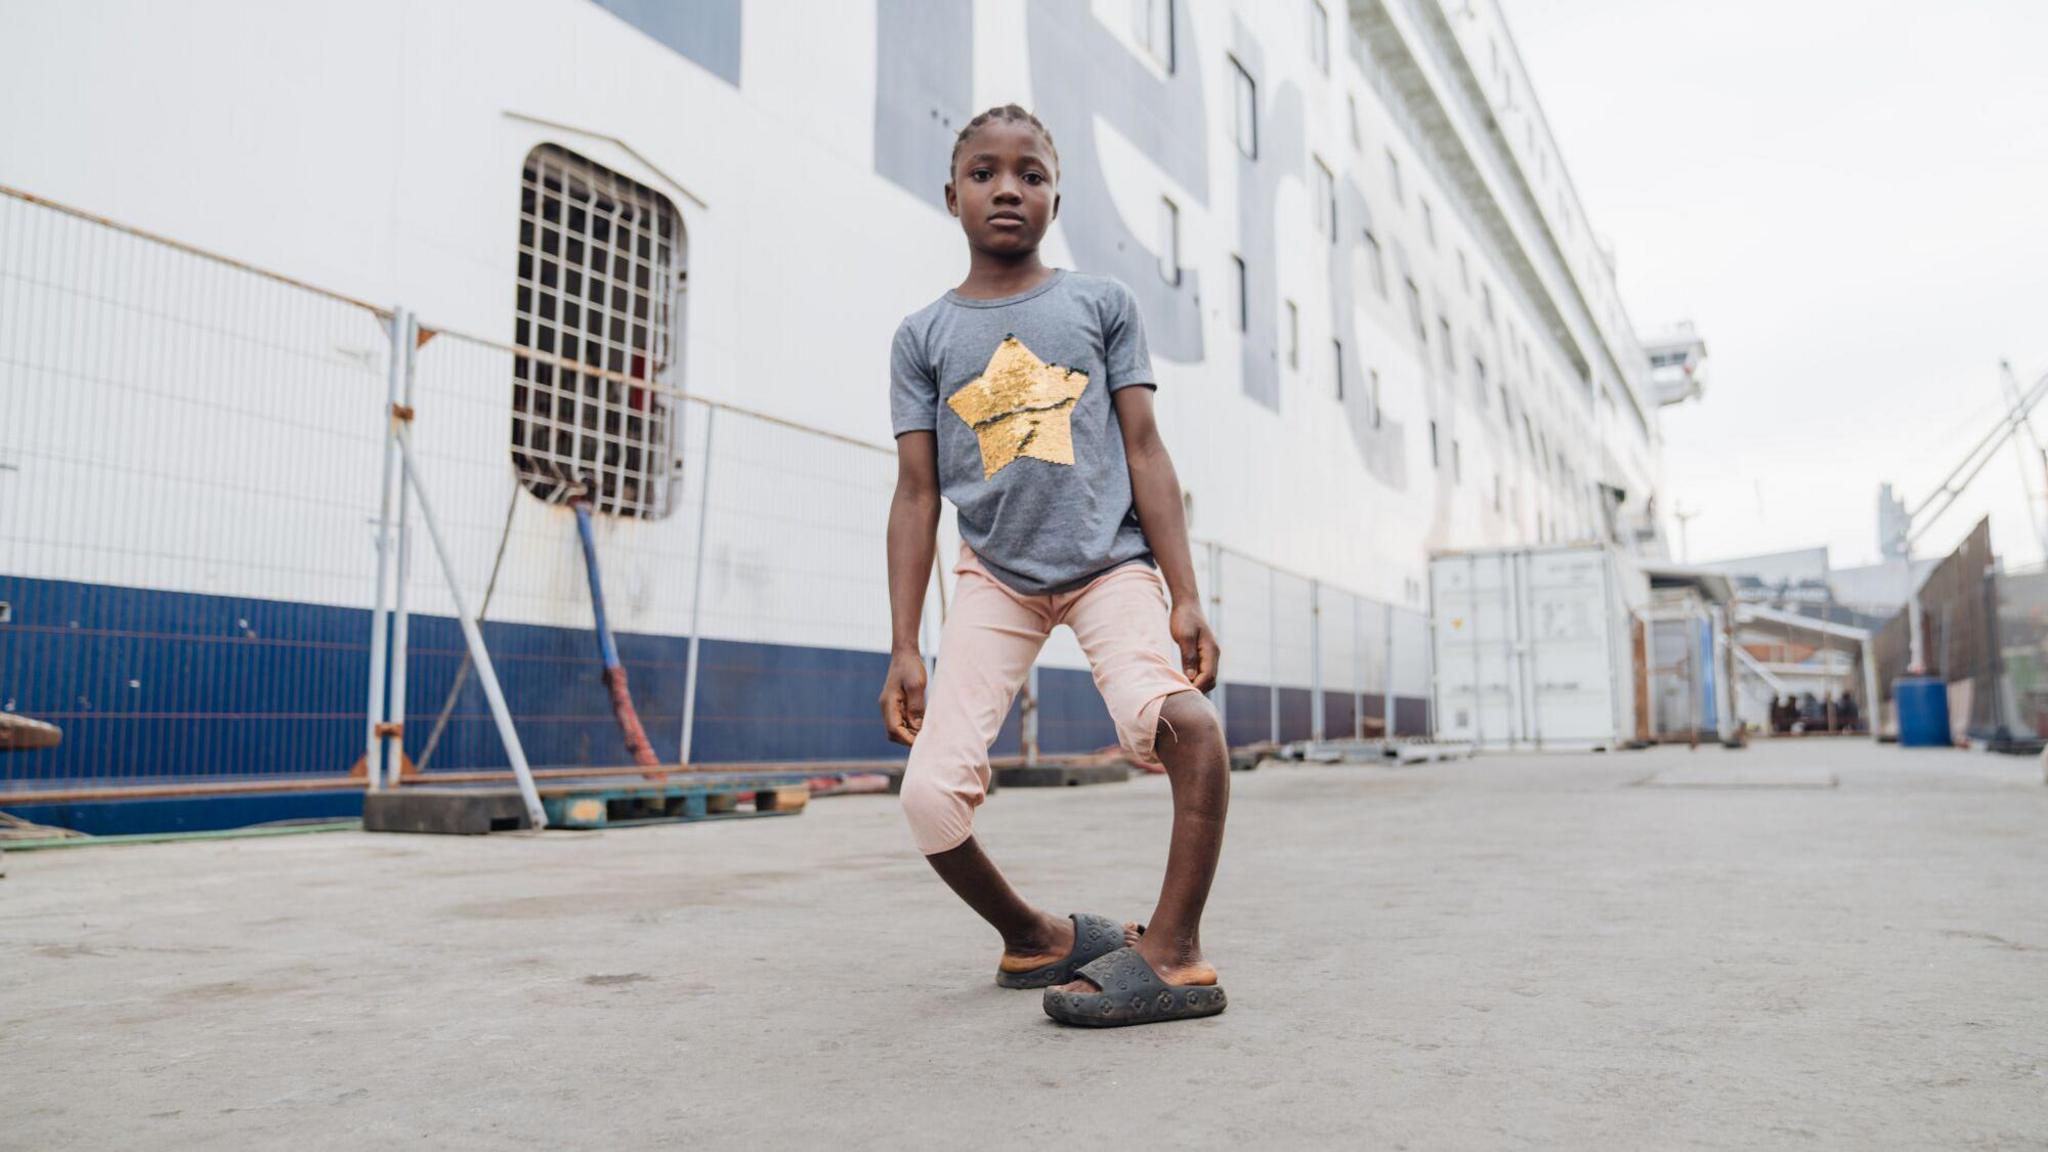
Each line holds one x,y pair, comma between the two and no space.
1382,323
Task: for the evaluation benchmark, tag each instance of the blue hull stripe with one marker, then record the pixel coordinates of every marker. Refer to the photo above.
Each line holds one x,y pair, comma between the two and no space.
157,687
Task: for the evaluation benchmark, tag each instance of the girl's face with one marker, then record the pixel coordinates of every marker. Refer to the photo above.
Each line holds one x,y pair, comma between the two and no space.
1005,189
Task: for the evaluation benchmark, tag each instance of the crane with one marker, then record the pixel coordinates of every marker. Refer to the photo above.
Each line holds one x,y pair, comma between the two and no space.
1899,530
2037,517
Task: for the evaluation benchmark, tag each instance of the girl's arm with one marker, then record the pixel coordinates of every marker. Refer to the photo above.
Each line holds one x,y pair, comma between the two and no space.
1156,490
913,538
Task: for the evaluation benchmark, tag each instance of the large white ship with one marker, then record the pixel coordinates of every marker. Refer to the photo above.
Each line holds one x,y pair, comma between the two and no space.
1382,322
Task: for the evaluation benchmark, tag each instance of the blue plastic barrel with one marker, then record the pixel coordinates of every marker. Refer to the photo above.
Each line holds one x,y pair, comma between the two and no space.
1922,703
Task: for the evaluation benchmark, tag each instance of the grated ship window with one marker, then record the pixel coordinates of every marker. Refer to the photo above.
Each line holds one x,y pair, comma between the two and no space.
600,276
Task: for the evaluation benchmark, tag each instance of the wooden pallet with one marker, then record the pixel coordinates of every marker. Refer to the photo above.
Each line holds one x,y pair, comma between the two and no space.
605,802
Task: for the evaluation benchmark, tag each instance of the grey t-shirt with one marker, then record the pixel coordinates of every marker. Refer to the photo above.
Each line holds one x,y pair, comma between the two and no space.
1029,448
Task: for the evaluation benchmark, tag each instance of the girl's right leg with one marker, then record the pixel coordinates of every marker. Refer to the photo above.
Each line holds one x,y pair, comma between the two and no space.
991,637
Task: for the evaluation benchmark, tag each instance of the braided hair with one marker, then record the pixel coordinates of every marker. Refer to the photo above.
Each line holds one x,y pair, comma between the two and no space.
1009,112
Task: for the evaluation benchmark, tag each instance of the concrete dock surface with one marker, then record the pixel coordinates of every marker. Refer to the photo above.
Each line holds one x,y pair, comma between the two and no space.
1809,943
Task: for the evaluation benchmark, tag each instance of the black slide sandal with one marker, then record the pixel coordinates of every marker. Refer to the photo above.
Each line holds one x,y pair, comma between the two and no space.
1094,936
1131,993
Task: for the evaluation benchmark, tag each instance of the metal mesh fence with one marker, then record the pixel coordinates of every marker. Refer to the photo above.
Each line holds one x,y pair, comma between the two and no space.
770,554
1294,673
2023,652
516,557
1306,661
189,507
1244,630
1410,674
183,513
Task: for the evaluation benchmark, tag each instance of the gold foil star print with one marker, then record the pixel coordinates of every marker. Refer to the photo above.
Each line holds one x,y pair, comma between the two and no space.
1020,406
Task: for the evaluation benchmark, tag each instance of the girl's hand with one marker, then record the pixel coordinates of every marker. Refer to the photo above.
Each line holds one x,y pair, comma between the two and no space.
1199,655
903,697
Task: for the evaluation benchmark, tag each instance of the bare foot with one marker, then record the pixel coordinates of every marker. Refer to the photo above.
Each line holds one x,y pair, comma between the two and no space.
1050,944
1179,967
1054,942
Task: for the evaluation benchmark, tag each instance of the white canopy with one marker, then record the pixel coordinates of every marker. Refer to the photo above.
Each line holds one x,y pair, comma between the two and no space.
1817,631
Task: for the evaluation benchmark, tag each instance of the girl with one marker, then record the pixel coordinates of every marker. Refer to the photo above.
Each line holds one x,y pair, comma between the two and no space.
1024,396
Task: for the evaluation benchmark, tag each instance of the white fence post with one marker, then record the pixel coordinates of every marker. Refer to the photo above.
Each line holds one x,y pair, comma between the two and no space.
1028,728
1272,656
697,602
1387,681
1220,698
1429,674
401,618
373,741
1357,666
1315,659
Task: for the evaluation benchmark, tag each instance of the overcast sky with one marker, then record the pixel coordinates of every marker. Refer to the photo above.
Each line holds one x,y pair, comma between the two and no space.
1851,200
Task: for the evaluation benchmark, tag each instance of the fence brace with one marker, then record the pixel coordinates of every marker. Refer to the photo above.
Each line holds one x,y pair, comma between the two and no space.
388,628
486,674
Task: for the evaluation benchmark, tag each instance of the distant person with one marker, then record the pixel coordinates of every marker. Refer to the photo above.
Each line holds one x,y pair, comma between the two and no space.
1025,397
1845,712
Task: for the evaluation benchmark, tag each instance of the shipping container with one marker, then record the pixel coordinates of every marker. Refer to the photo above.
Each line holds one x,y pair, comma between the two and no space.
1535,647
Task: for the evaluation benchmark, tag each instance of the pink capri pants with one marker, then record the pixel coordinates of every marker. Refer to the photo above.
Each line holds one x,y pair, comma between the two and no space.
992,636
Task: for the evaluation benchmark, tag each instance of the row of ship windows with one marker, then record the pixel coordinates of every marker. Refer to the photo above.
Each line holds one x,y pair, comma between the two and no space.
1506,497
1170,270
1157,16
1324,204
1152,29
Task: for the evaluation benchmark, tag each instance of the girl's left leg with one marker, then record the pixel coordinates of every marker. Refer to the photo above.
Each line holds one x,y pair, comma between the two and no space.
1121,622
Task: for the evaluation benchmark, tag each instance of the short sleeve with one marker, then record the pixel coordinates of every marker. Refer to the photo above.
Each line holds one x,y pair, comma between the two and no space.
1125,355
913,391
